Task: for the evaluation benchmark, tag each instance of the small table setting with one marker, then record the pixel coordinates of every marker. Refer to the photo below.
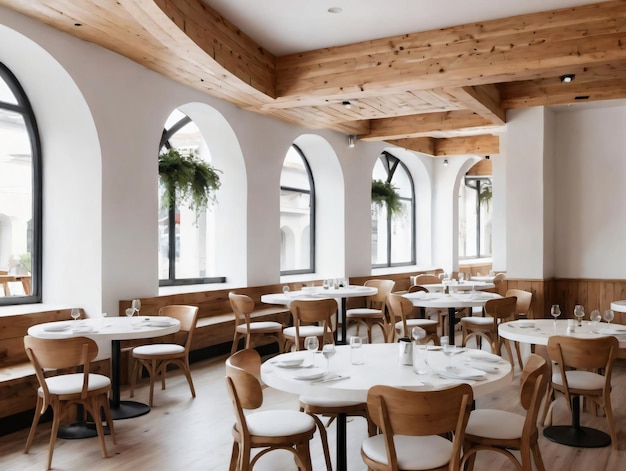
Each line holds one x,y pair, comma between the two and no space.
347,375
328,290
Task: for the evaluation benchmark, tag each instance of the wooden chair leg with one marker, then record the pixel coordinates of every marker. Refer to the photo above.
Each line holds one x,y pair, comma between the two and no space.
537,455
33,427
234,457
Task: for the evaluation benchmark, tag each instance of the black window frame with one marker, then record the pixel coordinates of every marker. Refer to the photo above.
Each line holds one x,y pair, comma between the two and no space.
479,180
24,108
391,163
312,217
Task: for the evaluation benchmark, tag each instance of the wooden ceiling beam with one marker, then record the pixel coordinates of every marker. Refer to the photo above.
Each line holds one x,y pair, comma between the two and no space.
423,145
484,100
422,125
497,51
483,145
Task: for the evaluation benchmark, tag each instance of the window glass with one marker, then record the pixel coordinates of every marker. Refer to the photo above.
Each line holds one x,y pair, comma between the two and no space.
20,189
475,224
184,236
296,214
393,234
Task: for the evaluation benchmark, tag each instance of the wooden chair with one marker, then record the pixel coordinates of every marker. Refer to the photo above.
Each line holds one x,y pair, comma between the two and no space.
501,431
374,312
401,308
243,306
425,279
310,318
63,391
440,314
580,362
155,357
497,281
496,311
412,424
522,310
271,429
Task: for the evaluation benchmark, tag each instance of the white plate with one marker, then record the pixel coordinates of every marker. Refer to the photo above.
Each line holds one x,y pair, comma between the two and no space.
313,373
290,362
484,366
160,324
482,355
525,324
461,372
57,327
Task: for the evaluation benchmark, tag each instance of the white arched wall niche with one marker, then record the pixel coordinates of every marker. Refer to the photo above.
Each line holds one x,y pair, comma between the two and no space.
465,164
232,197
329,205
420,168
72,174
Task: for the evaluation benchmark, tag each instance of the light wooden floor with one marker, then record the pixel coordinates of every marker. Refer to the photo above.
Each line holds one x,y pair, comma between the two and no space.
194,434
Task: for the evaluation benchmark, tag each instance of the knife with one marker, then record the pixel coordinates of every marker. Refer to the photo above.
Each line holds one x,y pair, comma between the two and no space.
326,380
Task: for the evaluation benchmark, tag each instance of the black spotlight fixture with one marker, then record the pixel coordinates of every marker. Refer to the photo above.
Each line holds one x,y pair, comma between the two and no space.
567,78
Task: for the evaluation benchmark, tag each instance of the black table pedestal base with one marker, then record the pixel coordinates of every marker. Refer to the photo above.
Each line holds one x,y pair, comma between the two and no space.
582,437
80,430
128,410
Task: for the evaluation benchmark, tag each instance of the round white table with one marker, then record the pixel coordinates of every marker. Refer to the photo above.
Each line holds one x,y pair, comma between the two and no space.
318,292
108,332
380,366
451,302
537,332
459,286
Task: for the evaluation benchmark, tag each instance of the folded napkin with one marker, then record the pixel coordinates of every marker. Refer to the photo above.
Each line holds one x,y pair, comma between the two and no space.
484,366
455,372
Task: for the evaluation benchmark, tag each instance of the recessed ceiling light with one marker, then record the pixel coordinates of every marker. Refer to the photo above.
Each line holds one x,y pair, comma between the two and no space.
567,78
347,104
335,10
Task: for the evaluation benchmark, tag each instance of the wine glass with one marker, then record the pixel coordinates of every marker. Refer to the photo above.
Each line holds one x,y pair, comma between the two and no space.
420,360
555,311
328,350
449,350
579,313
325,284
75,313
312,343
136,305
609,315
285,289
595,318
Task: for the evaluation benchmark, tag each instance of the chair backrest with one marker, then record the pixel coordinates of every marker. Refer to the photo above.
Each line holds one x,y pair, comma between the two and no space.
533,385
583,353
417,289
242,305
384,288
524,300
399,308
399,411
318,311
186,315
427,279
60,353
502,309
242,377
499,278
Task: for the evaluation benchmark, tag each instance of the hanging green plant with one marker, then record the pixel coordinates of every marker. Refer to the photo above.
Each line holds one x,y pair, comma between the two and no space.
385,192
485,195
187,179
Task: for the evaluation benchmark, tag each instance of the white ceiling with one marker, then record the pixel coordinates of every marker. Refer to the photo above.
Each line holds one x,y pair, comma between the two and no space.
288,26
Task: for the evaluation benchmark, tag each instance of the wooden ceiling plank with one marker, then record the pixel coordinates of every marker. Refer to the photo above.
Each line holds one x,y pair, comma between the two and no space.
481,145
483,100
423,145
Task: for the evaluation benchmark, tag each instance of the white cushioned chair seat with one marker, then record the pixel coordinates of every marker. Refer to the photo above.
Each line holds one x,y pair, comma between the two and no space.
364,312
327,402
490,423
305,331
414,453
479,320
580,379
279,423
159,349
73,383
254,326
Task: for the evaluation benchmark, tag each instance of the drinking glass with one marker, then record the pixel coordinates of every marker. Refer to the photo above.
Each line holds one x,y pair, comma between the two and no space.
461,277
609,315
328,350
420,352
136,305
130,312
75,313
579,313
356,352
449,350
325,284
418,334
555,311
285,289
595,318
312,344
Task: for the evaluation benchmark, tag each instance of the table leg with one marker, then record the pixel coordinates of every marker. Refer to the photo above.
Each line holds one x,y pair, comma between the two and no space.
342,458
122,409
575,435
341,317
451,323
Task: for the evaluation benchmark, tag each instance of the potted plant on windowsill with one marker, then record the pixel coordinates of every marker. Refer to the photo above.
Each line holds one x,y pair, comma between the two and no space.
187,178
384,193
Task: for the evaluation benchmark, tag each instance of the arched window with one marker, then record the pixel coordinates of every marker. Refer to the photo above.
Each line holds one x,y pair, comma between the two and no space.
475,217
187,242
297,215
393,233
20,195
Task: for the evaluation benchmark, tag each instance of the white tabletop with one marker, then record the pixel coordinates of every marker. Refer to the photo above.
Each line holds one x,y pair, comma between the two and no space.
446,301
459,286
619,306
380,366
103,330
538,331
487,278
318,292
